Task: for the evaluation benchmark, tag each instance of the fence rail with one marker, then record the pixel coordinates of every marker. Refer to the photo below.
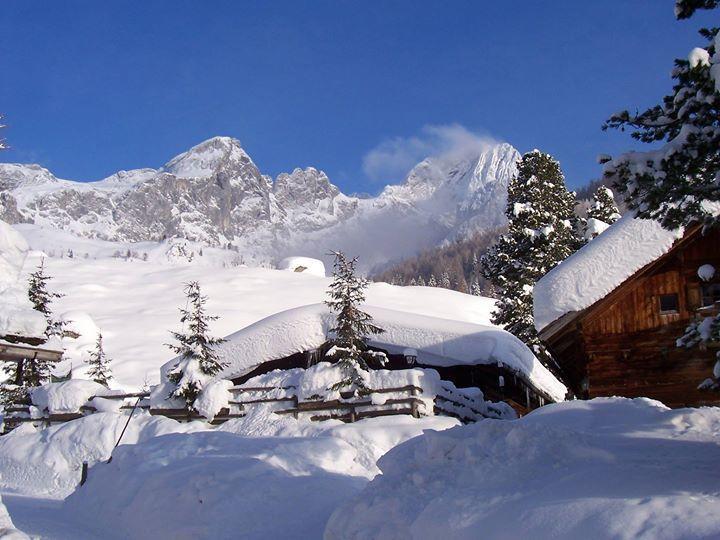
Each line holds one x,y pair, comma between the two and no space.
347,409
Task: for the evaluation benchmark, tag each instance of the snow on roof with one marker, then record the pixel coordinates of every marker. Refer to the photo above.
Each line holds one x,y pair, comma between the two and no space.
17,316
438,342
600,267
305,265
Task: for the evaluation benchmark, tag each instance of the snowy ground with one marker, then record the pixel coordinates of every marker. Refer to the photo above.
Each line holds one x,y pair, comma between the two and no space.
608,468
135,303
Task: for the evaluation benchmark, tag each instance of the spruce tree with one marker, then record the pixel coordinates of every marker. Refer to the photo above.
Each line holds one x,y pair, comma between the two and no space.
541,233
198,360
421,281
445,280
352,325
432,282
99,364
677,183
603,206
42,298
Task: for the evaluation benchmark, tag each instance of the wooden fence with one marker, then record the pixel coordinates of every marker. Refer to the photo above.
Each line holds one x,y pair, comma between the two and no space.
347,409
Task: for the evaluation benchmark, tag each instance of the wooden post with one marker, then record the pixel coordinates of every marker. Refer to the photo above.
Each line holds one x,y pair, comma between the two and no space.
414,409
295,414
84,473
353,416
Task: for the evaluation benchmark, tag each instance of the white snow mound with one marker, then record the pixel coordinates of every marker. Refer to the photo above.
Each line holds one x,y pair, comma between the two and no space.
303,265
606,468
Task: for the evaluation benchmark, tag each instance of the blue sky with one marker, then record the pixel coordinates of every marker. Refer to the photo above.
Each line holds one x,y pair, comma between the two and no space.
88,87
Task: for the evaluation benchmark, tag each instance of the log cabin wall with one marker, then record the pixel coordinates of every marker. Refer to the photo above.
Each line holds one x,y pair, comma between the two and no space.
629,337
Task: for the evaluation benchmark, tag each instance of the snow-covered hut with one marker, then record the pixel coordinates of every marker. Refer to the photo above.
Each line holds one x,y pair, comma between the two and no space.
22,329
466,354
612,312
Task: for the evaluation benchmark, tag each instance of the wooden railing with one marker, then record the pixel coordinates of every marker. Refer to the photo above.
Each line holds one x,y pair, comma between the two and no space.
349,408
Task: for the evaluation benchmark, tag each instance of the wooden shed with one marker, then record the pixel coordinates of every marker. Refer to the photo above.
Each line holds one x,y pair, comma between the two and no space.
624,344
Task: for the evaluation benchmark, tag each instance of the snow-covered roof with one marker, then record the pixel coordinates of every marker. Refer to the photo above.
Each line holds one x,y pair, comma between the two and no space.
17,316
305,265
600,267
438,342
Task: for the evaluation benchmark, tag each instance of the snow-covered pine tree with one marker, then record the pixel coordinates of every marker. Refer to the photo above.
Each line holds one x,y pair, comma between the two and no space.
41,299
677,183
541,233
475,289
432,282
198,360
603,206
352,325
445,280
99,364
602,213
421,281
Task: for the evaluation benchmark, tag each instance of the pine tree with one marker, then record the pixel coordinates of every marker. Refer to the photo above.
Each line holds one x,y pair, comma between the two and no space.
541,233
198,360
603,206
421,281
99,364
352,325
445,280
677,183
432,282
475,289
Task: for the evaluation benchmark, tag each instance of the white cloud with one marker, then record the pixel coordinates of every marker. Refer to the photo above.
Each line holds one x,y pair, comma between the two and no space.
391,160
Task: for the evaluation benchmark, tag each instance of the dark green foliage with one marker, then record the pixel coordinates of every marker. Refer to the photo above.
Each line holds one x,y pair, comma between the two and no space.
459,259
603,206
542,231
198,360
684,9
99,364
352,325
42,298
674,183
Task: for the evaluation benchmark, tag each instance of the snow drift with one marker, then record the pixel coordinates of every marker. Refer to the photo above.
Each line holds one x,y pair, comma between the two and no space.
607,468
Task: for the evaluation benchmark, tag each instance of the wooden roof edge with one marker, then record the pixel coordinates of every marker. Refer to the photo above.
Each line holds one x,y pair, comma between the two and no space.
555,327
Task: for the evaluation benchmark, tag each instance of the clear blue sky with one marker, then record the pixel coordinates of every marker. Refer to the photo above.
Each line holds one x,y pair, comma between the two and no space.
91,87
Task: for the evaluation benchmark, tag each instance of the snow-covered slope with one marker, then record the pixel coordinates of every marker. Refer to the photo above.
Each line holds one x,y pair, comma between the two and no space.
215,194
135,302
596,470
599,267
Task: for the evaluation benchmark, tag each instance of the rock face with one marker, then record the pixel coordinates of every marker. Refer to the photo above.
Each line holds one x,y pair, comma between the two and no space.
215,194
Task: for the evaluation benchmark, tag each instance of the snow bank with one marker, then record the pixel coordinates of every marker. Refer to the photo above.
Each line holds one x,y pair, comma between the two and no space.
212,398
17,316
600,267
439,342
47,462
66,396
606,468
304,265
7,529
257,477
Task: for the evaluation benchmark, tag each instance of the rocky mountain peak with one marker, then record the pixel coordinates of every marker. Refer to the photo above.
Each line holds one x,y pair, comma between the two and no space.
210,157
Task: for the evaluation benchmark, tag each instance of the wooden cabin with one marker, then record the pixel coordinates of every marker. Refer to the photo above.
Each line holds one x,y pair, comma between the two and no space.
497,381
624,344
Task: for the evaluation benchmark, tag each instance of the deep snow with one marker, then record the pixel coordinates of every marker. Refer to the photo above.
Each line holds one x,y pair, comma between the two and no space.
610,468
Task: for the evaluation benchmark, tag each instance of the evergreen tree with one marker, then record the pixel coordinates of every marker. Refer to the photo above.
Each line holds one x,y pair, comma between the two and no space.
421,281
99,364
475,289
432,282
677,183
413,282
41,299
352,325
541,233
198,360
603,206
445,280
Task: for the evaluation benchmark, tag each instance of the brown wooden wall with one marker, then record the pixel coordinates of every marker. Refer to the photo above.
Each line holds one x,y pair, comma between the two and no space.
625,346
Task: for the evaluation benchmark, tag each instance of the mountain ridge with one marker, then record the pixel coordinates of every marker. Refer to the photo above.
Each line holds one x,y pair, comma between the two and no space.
215,194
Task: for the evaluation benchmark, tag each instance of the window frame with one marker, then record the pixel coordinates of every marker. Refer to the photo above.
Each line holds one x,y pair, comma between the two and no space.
672,311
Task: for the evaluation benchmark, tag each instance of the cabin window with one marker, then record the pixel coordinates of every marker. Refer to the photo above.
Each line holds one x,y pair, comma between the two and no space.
668,303
710,294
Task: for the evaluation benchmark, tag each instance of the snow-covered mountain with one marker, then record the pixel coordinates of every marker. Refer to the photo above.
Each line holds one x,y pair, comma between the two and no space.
215,194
